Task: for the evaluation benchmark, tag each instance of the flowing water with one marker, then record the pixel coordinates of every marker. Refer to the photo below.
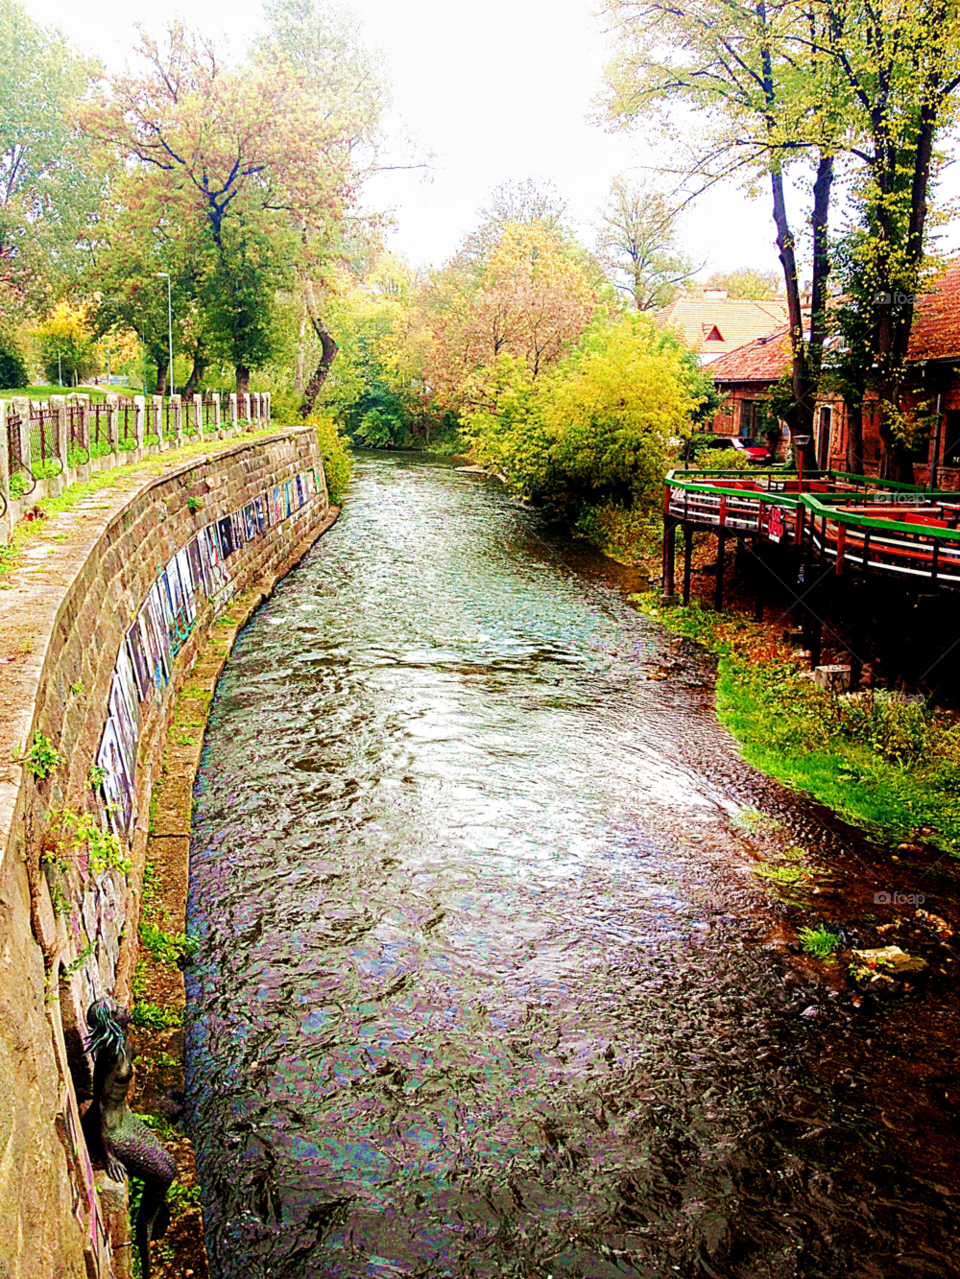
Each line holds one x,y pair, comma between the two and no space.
486,983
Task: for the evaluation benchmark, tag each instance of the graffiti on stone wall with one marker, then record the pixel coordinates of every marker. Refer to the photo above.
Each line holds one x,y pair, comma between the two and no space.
160,629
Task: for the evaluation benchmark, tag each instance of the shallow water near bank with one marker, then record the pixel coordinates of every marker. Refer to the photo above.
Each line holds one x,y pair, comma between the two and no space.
486,983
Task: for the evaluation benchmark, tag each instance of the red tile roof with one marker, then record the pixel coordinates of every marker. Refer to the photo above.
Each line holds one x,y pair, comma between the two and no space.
736,321
936,321
765,360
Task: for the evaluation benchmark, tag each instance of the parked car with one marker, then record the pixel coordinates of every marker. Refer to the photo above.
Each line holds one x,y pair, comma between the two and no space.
743,444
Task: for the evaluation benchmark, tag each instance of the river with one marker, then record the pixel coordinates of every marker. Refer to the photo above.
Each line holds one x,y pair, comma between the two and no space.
487,984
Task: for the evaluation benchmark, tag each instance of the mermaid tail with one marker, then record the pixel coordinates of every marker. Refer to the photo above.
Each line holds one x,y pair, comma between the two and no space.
153,1218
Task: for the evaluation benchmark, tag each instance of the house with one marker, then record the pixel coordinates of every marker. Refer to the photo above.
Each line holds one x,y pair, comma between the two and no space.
745,376
714,324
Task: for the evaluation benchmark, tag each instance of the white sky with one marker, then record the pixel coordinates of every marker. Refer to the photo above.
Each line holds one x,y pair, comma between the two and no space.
497,91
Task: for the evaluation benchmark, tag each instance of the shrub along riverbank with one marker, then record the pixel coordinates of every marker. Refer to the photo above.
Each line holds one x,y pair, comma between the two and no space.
881,761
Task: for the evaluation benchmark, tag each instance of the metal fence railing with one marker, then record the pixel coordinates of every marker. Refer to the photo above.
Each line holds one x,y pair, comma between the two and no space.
45,439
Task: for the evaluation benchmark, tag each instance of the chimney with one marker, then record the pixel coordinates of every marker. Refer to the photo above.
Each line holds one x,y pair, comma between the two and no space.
715,294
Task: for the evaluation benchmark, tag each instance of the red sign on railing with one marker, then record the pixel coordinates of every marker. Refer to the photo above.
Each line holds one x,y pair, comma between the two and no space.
775,525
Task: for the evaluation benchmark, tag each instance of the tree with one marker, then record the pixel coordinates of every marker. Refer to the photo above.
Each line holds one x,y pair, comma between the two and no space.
528,203
348,81
597,428
765,96
860,87
900,64
638,245
748,282
13,370
530,297
249,155
67,344
49,184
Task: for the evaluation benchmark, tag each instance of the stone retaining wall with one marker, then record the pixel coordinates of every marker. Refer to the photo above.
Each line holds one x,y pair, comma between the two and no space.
65,931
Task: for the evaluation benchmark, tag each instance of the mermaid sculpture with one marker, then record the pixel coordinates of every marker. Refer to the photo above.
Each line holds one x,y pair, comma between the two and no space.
127,1143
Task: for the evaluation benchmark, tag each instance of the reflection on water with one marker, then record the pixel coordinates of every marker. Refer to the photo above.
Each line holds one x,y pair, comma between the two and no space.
479,989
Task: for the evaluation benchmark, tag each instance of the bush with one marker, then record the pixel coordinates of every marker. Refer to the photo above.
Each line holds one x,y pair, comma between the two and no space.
13,370
599,428
627,534
724,460
335,452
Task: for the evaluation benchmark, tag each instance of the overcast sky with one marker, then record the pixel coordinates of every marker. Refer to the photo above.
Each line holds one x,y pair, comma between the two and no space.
497,91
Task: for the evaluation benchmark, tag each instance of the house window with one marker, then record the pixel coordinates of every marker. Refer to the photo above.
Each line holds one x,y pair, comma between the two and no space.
951,438
748,418
714,335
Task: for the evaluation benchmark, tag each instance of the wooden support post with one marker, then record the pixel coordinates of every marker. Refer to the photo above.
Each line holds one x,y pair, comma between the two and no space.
687,555
841,547
669,558
721,557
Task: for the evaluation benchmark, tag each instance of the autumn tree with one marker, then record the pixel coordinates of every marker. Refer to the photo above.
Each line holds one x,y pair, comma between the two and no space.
376,389
598,427
247,154
858,87
67,343
49,183
747,282
531,297
753,89
899,63
638,243
347,81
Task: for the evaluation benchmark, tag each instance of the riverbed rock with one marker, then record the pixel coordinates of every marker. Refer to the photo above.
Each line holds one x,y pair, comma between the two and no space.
891,959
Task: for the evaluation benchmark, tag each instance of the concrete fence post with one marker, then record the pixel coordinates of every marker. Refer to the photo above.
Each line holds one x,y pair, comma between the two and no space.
233,411
176,404
113,426
246,407
85,404
5,520
21,406
157,411
139,418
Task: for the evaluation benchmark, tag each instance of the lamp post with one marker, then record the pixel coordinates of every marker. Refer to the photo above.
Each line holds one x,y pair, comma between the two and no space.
165,275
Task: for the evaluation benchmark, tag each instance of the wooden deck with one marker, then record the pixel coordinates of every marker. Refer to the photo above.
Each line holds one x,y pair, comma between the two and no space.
854,524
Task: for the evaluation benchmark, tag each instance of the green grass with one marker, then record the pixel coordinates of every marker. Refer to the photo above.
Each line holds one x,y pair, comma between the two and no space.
818,942
886,766
45,392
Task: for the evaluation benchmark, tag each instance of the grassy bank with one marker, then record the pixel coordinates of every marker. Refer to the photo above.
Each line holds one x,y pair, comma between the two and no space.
888,764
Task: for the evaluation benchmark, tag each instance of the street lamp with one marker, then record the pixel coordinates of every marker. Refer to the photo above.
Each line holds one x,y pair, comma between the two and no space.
165,275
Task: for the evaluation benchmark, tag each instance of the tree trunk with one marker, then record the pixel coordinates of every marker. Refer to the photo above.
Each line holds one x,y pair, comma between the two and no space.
301,346
800,415
328,354
161,378
854,435
197,372
243,379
